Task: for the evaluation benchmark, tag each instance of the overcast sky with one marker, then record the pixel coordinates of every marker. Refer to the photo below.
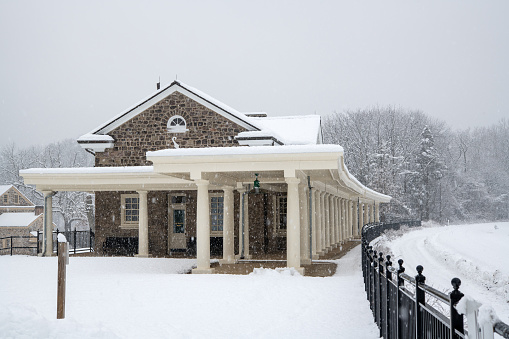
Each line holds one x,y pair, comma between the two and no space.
68,66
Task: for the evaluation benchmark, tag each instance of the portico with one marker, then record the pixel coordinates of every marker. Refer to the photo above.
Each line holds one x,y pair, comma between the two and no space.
320,196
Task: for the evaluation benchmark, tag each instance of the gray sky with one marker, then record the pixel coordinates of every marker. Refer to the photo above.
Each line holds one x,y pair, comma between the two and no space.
68,66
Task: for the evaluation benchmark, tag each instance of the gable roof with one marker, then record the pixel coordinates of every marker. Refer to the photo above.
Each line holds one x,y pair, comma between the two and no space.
191,92
5,188
289,130
17,219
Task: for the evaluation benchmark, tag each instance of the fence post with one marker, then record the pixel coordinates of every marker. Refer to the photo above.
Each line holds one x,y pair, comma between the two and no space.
75,240
11,245
401,283
37,242
370,275
419,298
57,242
374,264
456,318
388,280
381,292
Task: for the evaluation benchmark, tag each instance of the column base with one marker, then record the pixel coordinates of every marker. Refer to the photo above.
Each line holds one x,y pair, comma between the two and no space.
143,255
227,261
203,270
305,261
246,257
300,270
316,256
320,253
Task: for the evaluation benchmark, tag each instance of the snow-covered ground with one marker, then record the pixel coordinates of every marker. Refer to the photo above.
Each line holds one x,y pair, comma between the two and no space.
477,254
147,298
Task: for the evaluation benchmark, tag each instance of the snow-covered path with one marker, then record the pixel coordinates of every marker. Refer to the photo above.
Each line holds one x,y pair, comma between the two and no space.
135,298
476,253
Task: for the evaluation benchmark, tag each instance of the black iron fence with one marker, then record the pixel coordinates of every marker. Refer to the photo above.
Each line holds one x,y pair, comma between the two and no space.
405,307
79,242
19,244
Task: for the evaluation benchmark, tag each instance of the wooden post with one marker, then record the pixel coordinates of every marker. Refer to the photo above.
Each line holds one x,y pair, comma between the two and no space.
62,262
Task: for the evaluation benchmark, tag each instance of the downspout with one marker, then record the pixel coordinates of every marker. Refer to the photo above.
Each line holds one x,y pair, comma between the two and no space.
45,217
310,221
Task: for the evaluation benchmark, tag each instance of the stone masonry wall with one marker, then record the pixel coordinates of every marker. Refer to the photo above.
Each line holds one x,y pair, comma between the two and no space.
148,132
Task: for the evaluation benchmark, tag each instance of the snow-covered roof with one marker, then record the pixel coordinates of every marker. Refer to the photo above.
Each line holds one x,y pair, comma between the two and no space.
95,137
175,86
91,170
4,188
17,219
287,149
291,130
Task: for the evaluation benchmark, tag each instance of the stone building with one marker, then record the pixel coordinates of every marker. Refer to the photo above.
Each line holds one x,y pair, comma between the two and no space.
182,172
18,217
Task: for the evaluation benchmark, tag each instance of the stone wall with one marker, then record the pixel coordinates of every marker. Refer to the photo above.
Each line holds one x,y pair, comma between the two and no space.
148,132
10,194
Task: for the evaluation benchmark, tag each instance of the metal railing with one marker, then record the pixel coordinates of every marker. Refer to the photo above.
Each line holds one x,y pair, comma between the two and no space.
79,242
16,244
404,306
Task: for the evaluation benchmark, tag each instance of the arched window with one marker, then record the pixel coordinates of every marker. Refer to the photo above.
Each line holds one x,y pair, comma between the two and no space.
177,124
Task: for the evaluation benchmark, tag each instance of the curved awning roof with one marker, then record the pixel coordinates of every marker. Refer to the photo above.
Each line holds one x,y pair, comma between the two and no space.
222,166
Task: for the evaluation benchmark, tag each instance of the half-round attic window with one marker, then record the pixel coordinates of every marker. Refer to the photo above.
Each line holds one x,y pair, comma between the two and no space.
177,124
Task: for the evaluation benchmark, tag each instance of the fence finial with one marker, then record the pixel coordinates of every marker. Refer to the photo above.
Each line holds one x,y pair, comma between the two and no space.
419,277
401,270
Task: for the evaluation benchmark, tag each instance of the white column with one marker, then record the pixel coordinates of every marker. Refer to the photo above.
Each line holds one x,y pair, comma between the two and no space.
319,223
334,221
337,200
341,206
366,213
324,222
345,218
377,212
203,228
373,212
246,227
331,221
350,217
355,219
241,215
143,225
361,215
304,225
47,235
327,222
315,223
293,225
228,232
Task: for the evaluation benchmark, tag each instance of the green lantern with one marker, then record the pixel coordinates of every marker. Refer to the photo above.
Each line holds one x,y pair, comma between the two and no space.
256,184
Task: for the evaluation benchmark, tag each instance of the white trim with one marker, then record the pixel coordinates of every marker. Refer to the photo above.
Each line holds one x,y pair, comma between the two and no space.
177,128
174,87
215,233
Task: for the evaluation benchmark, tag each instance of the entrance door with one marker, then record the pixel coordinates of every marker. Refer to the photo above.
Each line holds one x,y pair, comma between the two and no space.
177,223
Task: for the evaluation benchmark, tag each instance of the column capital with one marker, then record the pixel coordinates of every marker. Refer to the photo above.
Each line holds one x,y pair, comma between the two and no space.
48,193
142,192
201,182
227,188
292,180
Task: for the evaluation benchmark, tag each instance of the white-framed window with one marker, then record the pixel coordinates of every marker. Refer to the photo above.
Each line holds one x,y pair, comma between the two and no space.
15,198
216,214
281,214
130,210
177,124
5,199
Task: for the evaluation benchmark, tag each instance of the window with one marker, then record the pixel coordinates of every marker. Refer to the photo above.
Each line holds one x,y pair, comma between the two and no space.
216,214
177,124
15,198
281,213
5,199
130,210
